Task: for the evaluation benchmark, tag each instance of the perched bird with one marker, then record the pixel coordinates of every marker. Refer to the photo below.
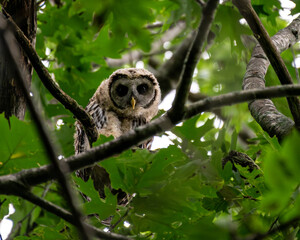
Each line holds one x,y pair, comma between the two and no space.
127,99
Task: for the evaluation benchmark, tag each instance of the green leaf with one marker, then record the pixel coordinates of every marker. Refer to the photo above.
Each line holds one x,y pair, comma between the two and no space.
103,207
267,8
154,176
281,174
184,131
297,7
227,171
228,17
215,204
102,139
20,146
234,137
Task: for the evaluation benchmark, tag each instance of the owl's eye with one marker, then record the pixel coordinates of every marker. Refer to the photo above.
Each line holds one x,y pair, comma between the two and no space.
121,90
142,88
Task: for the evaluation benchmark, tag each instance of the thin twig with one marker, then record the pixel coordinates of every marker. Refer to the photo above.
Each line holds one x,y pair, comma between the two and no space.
271,51
3,201
273,224
68,102
19,223
192,58
281,227
120,220
34,176
60,166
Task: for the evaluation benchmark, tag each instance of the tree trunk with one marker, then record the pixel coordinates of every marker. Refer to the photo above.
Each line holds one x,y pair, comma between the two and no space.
12,101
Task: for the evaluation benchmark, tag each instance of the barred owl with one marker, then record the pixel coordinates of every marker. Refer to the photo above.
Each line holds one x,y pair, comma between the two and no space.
127,99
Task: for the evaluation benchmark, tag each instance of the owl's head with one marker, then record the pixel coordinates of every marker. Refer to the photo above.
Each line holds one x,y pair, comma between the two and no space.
133,92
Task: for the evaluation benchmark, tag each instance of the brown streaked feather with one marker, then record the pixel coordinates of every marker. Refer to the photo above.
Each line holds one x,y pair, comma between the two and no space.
81,142
113,120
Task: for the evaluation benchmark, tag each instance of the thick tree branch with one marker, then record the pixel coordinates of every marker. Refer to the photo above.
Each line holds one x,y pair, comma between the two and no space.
68,102
60,166
264,111
34,176
272,51
12,100
192,58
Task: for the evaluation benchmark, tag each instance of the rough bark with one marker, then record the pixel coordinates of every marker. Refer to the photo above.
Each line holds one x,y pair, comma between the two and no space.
264,111
68,102
271,51
12,101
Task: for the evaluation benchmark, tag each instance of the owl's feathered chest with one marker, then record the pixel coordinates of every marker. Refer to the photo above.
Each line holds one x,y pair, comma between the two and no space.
116,125
109,122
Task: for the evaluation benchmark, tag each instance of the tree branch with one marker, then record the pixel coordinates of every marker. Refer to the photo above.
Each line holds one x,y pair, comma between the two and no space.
168,73
271,51
68,102
17,228
60,166
264,111
192,58
34,176
23,192
12,100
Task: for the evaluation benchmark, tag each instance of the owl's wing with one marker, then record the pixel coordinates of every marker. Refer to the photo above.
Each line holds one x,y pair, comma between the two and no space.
81,142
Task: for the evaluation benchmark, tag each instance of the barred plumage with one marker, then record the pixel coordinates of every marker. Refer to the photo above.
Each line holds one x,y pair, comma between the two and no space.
128,99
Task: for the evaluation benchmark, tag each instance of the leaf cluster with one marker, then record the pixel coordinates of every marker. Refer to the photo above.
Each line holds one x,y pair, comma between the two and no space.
183,191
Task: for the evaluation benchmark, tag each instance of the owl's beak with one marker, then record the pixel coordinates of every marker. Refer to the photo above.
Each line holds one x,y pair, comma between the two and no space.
133,102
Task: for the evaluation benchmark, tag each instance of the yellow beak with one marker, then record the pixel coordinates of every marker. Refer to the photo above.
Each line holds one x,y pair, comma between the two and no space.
133,102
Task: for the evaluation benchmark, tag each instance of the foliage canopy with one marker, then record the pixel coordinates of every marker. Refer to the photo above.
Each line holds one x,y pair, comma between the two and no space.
181,191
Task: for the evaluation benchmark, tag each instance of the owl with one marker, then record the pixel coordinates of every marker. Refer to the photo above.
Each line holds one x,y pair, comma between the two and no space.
127,99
